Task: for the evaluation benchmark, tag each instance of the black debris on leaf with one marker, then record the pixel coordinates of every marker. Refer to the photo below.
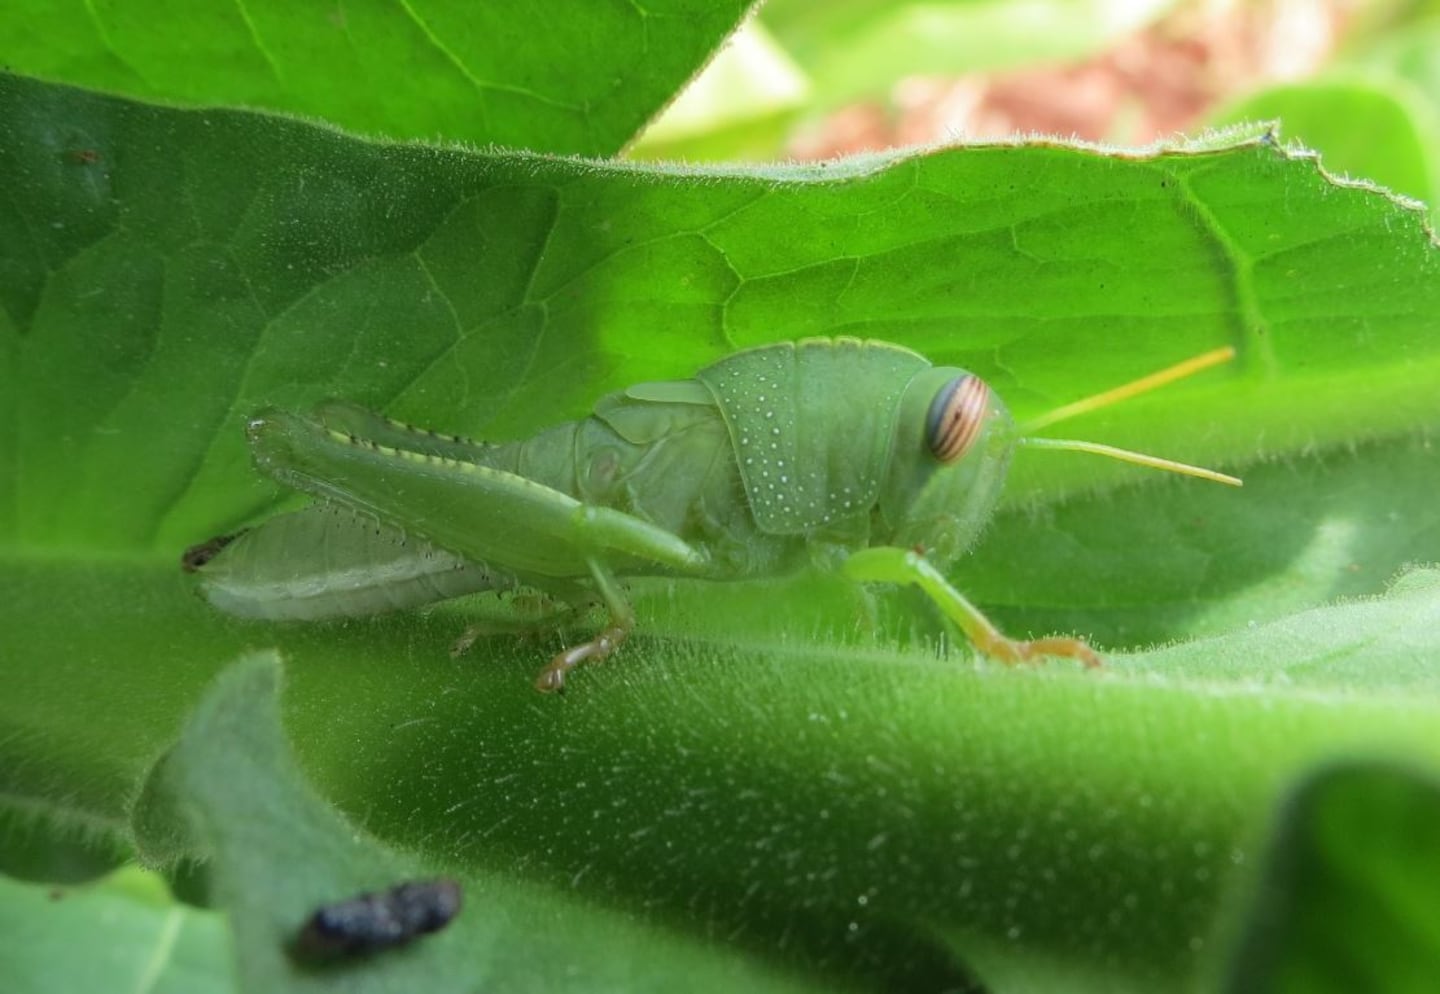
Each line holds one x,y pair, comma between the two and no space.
381,920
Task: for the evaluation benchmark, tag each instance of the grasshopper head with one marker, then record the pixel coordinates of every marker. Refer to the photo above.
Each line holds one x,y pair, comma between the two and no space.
953,442
952,446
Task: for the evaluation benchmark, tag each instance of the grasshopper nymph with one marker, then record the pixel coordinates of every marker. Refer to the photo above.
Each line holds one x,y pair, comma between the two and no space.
863,449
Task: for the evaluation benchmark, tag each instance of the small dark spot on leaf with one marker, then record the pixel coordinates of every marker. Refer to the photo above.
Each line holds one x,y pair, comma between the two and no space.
372,922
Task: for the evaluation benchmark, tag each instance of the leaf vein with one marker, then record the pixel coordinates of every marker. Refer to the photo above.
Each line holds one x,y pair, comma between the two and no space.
1254,342
260,46
161,955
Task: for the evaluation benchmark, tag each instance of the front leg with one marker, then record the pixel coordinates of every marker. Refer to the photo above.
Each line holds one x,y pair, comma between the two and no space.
887,564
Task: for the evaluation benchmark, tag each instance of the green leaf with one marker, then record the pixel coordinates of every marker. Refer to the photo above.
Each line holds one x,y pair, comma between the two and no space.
121,933
278,852
1407,54
1302,532
765,790
552,76
503,293
1350,888
1369,128
859,809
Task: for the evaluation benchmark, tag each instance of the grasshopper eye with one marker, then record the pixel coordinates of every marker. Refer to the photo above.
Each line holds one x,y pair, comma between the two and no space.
956,416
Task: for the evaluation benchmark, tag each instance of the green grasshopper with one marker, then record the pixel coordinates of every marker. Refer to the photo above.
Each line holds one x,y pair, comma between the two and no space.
857,455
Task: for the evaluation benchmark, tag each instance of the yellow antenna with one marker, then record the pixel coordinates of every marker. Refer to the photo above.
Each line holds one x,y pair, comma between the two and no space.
1138,458
1133,389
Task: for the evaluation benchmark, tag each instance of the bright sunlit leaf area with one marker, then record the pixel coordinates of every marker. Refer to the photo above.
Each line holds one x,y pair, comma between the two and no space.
481,221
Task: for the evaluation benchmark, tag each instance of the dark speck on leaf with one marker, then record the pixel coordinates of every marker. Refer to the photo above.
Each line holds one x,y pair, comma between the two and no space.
375,921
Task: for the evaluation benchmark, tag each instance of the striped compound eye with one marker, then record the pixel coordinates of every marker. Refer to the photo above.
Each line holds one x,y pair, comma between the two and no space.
956,416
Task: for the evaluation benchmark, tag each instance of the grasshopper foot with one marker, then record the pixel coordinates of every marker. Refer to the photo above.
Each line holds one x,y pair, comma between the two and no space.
887,564
467,639
1011,651
552,677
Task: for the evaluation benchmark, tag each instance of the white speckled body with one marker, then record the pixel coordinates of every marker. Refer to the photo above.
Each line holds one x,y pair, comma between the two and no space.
758,460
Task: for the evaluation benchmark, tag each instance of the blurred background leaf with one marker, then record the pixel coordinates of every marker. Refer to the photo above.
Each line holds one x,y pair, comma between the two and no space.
858,47
1349,893
1359,83
124,932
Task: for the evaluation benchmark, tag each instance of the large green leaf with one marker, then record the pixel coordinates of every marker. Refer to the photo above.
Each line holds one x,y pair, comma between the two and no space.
844,804
231,791
1303,532
502,293
552,76
779,793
